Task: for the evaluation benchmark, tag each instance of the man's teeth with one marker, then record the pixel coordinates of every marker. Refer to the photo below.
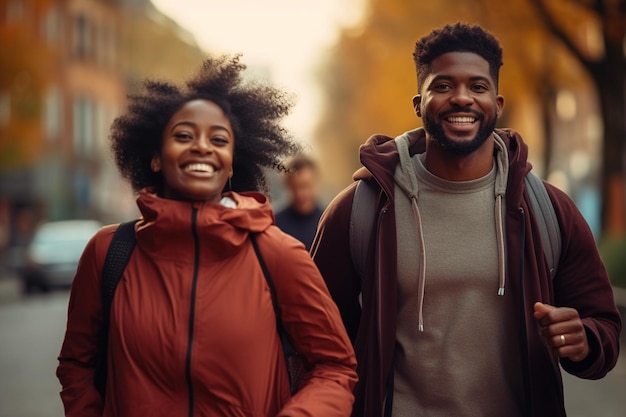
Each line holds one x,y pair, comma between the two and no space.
200,168
464,119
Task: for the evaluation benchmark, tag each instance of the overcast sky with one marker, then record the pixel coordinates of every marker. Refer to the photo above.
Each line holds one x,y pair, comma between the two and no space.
286,37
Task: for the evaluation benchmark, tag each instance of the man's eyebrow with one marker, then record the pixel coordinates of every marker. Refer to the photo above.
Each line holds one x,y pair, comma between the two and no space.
480,78
450,77
446,77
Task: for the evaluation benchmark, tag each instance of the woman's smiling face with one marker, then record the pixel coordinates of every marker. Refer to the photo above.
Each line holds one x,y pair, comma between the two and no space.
196,158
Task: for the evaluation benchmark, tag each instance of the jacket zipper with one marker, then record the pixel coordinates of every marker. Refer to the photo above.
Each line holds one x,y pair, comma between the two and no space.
555,363
387,393
192,308
527,387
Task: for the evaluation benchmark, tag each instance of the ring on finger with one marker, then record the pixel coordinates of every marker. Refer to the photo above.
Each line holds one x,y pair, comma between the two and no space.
562,340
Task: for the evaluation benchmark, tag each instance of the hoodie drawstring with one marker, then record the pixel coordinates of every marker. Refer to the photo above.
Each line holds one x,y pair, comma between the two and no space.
408,172
502,164
500,238
421,283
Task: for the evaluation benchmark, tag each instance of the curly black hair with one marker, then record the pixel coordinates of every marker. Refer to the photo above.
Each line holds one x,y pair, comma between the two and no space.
459,37
253,109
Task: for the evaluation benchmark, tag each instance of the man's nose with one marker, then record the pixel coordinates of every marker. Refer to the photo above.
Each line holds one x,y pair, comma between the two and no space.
461,96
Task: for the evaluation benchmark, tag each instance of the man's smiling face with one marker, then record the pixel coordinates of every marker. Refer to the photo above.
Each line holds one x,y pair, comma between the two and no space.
459,104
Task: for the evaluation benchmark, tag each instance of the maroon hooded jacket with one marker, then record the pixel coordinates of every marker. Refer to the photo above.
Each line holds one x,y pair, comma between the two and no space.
581,281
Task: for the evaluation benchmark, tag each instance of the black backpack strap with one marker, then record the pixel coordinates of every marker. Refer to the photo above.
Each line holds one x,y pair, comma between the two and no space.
287,347
117,257
289,351
270,283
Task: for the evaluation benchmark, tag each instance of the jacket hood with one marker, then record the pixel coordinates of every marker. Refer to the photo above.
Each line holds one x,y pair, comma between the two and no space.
167,227
518,166
379,156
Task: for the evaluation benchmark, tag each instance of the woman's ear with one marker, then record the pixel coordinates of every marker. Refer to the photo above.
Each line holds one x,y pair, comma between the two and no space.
155,164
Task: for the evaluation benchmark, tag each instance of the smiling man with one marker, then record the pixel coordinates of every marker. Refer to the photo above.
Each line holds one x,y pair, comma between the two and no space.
453,310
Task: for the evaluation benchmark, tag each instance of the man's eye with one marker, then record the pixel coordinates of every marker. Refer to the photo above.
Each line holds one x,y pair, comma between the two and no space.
443,87
479,87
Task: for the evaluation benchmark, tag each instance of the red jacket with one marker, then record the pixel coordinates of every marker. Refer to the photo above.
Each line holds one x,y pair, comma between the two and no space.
581,281
193,330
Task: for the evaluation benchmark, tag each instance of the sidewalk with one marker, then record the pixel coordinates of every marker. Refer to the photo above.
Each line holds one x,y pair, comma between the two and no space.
10,290
602,398
620,299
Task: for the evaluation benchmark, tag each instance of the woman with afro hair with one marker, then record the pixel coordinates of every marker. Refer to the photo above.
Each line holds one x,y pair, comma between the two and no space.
192,327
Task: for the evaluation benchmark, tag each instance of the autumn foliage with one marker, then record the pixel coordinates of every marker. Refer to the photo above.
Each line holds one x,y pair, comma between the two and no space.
24,70
369,76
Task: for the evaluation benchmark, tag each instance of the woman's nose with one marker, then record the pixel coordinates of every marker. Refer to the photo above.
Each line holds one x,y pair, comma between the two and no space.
202,144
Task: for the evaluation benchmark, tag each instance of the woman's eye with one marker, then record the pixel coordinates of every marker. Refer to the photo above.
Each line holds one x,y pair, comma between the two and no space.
182,136
220,140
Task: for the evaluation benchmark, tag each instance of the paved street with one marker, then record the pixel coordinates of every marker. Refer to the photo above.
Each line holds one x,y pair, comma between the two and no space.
605,397
602,398
32,331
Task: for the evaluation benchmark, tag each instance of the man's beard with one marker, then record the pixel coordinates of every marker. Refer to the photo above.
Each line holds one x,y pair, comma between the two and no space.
458,147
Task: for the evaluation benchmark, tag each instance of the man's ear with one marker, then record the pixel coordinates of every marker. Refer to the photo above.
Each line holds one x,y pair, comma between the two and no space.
499,105
155,163
417,100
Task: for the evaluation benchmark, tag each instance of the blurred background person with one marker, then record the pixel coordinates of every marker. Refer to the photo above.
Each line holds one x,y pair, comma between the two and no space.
303,212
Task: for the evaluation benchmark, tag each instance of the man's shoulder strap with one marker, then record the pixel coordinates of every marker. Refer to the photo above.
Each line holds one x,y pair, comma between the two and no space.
362,219
118,254
546,220
364,211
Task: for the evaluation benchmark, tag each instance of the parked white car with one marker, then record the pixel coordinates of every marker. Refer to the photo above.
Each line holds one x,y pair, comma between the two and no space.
53,254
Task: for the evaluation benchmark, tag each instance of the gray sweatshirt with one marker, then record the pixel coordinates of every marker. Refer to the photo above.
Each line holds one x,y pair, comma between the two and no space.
455,351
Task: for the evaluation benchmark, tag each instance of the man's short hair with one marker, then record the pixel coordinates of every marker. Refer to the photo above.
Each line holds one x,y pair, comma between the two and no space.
459,37
300,162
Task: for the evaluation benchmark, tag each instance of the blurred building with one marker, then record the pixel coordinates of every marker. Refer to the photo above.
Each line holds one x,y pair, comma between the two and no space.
69,66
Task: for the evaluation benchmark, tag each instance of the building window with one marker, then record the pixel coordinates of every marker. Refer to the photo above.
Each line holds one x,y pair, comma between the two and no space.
16,11
100,127
113,45
81,37
5,108
109,45
96,45
51,25
83,126
53,114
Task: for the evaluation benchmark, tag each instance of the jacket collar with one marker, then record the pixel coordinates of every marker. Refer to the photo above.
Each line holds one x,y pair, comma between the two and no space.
167,227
